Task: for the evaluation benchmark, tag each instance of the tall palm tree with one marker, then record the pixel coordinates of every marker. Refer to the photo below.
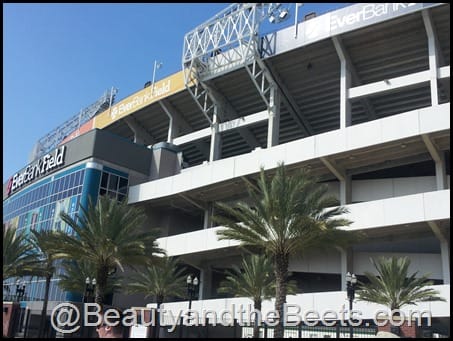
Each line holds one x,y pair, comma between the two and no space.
44,265
17,253
110,235
394,287
256,280
161,280
287,215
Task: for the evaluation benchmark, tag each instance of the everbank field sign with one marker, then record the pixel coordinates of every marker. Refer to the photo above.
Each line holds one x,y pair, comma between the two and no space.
41,167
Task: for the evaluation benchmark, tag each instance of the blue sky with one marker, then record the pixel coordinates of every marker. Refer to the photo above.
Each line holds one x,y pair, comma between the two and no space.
60,58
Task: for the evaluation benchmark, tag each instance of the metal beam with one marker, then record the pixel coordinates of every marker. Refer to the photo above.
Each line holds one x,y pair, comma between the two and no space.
184,126
432,51
344,55
339,173
435,154
226,111
389,84
141,135
439,159
389,164
240,122
192,201
196,135
289,101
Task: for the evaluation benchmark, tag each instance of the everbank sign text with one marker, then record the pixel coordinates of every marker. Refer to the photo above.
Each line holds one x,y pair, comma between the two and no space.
41,167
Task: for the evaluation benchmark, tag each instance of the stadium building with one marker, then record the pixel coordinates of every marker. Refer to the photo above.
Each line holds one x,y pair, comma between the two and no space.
360,95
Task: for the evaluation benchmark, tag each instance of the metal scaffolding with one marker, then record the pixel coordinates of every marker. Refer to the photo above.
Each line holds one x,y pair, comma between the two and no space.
54,138
228,41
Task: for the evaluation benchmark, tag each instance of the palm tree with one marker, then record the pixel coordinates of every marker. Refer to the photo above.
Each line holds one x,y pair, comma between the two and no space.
394,287
161,280
287,215
17,252
109,235
256,281
44,265
75,274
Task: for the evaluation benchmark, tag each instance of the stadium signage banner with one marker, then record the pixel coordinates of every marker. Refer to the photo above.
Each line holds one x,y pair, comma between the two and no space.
353,16
141,99
47,163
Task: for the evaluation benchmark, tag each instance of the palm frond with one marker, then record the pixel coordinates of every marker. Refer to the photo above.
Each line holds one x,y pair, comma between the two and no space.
394,287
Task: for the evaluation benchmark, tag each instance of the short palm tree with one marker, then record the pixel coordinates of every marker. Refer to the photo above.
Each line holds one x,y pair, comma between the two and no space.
161,280
44,265
394,287
17,252
287,215
256,280
110,235
75,274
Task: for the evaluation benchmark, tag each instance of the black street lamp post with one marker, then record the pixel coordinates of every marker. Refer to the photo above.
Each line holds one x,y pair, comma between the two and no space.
20,293
20,290
192,287
88,296
90,286
351,282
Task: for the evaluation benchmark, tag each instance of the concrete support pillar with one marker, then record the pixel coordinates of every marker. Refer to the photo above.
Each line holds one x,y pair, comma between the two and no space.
205,283
273,127
172,130
207,219
216,138
345,190
433,60
445,256
345,103
441,173
444,251
346,257
141,136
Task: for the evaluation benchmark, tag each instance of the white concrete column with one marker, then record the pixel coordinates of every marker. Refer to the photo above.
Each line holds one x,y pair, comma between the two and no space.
205,283
273,127
346,264
444,251
432,52
441,173
445,256
345,103
207,218
216,138
345,190
173,130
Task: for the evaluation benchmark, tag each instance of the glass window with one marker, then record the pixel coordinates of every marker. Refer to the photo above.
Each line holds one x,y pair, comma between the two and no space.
60,185
65,181
112,194
104,179
113,182
123,186
76,178
71,180
82,175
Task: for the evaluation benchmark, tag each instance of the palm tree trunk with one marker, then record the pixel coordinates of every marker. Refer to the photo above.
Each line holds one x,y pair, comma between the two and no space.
281,274
42,326
157,327
257,325
101,285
